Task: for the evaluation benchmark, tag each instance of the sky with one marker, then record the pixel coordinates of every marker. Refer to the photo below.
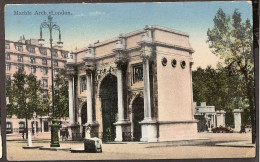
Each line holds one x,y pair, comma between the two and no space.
82,24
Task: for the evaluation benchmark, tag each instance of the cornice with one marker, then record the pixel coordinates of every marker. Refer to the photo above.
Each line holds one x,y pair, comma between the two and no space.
38,46
188,49
169,30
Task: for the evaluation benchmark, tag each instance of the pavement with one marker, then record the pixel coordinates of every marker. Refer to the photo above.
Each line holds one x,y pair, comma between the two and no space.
206,145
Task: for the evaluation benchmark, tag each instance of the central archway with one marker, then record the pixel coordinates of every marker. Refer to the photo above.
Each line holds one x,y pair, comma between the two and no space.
108,96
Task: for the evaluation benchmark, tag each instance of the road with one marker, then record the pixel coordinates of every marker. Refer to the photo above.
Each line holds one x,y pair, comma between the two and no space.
205,148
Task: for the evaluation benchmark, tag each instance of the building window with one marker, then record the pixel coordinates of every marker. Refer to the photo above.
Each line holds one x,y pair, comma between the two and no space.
9,127
7,66
55,63
19,48
64,54
45,94
7,46
21,126
174,63
20,58
137,73
45,71
45,82
33,69
32,60
56,71
30,49
83,84
7,56
44,61
164,61
183,64
43,51
8,78
55,53
20,66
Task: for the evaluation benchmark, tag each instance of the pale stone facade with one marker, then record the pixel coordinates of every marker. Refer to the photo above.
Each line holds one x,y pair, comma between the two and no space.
34,59
137,86
237,119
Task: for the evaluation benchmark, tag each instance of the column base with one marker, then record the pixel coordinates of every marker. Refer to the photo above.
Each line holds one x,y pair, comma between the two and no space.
149,130
172,130
74,133
120,128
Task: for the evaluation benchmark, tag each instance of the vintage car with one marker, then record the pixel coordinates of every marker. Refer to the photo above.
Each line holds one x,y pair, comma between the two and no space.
222,129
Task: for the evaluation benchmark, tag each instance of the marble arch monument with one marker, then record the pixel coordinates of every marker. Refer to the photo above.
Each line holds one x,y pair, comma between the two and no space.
137,86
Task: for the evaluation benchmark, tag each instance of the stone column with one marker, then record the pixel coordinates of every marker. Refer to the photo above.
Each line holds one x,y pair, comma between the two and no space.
149,131
121,120
90,68
220,118
147,95
237,119
71,101
89,98
192,104
71,107
120,95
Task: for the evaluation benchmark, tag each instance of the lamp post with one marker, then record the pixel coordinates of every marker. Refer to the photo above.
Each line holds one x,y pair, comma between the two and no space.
52,26
34,123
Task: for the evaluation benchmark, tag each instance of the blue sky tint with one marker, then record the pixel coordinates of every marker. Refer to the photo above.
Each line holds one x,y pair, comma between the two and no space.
91,22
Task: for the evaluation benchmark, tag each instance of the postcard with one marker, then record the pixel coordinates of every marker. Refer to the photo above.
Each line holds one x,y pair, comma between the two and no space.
130,81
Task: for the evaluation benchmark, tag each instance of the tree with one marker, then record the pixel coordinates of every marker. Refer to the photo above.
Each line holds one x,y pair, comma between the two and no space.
61,103
232,40
34,92
220,88
24,94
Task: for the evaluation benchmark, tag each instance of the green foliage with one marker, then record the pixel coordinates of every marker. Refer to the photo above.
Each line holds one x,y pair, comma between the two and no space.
232,40
34,91
61,103
24,94
219,88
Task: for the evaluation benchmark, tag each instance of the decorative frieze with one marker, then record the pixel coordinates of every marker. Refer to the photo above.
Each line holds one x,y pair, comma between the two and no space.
105,68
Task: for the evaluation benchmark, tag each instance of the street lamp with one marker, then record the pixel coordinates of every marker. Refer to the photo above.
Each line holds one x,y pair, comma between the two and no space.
52,26
34,123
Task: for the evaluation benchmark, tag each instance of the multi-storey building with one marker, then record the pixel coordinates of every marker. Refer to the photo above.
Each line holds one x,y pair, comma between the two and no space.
36,59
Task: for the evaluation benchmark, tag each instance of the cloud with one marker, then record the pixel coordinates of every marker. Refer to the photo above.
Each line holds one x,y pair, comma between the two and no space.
97,13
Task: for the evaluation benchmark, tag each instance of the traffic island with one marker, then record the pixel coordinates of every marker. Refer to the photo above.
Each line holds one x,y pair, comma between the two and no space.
56,148
32,147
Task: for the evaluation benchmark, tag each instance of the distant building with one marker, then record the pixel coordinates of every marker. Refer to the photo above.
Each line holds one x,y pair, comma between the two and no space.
34,59
137,86
208,117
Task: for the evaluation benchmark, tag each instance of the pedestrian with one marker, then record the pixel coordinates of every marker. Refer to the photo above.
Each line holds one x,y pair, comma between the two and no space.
243,130
23,135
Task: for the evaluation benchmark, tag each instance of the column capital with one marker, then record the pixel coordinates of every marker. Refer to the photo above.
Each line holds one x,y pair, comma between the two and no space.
121,58
90,69
120,62
70,71
146,52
